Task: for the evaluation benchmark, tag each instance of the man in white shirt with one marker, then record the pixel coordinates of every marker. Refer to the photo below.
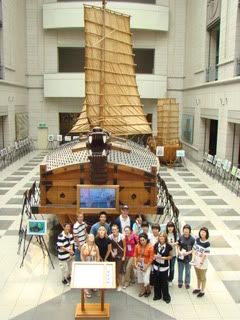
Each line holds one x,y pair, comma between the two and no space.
80,234
124,220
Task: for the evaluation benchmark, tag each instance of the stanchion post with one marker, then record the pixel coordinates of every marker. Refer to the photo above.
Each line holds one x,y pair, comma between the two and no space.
82,300
102,299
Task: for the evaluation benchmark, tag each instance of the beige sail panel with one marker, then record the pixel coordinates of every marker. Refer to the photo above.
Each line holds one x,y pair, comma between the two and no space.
82,124
112,97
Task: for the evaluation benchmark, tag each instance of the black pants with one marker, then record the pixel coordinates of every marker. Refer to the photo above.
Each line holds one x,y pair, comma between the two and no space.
161,285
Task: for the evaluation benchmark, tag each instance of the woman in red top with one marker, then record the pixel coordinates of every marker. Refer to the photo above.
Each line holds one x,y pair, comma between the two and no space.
131,240
143,258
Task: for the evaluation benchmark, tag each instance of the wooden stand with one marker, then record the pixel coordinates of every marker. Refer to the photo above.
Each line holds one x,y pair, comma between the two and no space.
91,311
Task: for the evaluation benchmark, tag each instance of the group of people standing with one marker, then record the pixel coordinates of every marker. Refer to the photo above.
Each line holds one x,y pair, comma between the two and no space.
140,251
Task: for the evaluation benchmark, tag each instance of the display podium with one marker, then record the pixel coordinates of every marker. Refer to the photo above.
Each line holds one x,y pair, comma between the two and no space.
93,275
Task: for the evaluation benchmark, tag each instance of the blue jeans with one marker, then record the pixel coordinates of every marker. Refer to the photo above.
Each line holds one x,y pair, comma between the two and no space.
77,255
181,267
171,269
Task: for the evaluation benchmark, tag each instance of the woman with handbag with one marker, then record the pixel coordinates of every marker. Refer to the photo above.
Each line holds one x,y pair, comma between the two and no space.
118,253
162,256
143,258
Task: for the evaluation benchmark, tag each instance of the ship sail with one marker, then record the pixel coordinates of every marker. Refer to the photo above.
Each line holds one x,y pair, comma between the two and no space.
112,97
82,125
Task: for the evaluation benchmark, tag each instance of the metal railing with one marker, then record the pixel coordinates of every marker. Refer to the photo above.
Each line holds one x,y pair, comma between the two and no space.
10,154
1,71
212,73
237,67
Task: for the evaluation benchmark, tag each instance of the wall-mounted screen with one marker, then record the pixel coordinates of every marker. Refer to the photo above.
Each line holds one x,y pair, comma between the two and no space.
95,198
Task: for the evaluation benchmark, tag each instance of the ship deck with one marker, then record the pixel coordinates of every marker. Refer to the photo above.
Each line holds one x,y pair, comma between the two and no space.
139,156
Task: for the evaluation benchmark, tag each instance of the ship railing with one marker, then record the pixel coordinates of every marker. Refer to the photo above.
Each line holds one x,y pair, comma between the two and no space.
167,210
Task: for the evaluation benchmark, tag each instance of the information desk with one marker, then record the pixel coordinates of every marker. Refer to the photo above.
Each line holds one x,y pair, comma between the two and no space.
93,275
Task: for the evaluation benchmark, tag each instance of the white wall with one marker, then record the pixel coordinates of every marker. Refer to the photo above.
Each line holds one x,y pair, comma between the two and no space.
70,15
13,90
223,95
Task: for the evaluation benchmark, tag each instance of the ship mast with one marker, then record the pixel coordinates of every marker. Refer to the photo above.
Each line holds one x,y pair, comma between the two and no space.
102,68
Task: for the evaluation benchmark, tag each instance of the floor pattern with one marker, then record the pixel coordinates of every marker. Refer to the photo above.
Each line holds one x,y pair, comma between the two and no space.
34,291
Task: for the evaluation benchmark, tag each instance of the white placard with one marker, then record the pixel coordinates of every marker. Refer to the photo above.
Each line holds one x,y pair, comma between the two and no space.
180,153
93,275
67,138
59,138
210,158
160,151
238,173
219,163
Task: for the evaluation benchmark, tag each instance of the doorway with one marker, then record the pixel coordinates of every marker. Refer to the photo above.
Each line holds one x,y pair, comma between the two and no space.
213,137
66,122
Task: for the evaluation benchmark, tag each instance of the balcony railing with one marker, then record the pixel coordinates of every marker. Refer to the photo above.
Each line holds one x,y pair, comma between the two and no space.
212,73
237,67
1,71
138,1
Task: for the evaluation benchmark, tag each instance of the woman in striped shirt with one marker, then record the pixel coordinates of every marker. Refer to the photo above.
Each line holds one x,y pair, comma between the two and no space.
201,250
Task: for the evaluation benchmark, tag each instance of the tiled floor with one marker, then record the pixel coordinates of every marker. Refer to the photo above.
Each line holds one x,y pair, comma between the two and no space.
35,292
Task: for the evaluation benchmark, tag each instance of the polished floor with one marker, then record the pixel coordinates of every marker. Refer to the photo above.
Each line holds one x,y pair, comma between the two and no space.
35,292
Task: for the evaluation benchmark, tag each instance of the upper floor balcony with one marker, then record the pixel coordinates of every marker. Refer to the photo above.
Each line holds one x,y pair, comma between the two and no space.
72,85
212,73
65,15
237,67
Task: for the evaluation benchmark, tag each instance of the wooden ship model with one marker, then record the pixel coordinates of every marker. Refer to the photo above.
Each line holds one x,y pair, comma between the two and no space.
168,129
105,156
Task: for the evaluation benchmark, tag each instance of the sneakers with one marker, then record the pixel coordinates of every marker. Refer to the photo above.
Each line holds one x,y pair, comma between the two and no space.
179,285
119,288
195,291
200,295
64,281
187,286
